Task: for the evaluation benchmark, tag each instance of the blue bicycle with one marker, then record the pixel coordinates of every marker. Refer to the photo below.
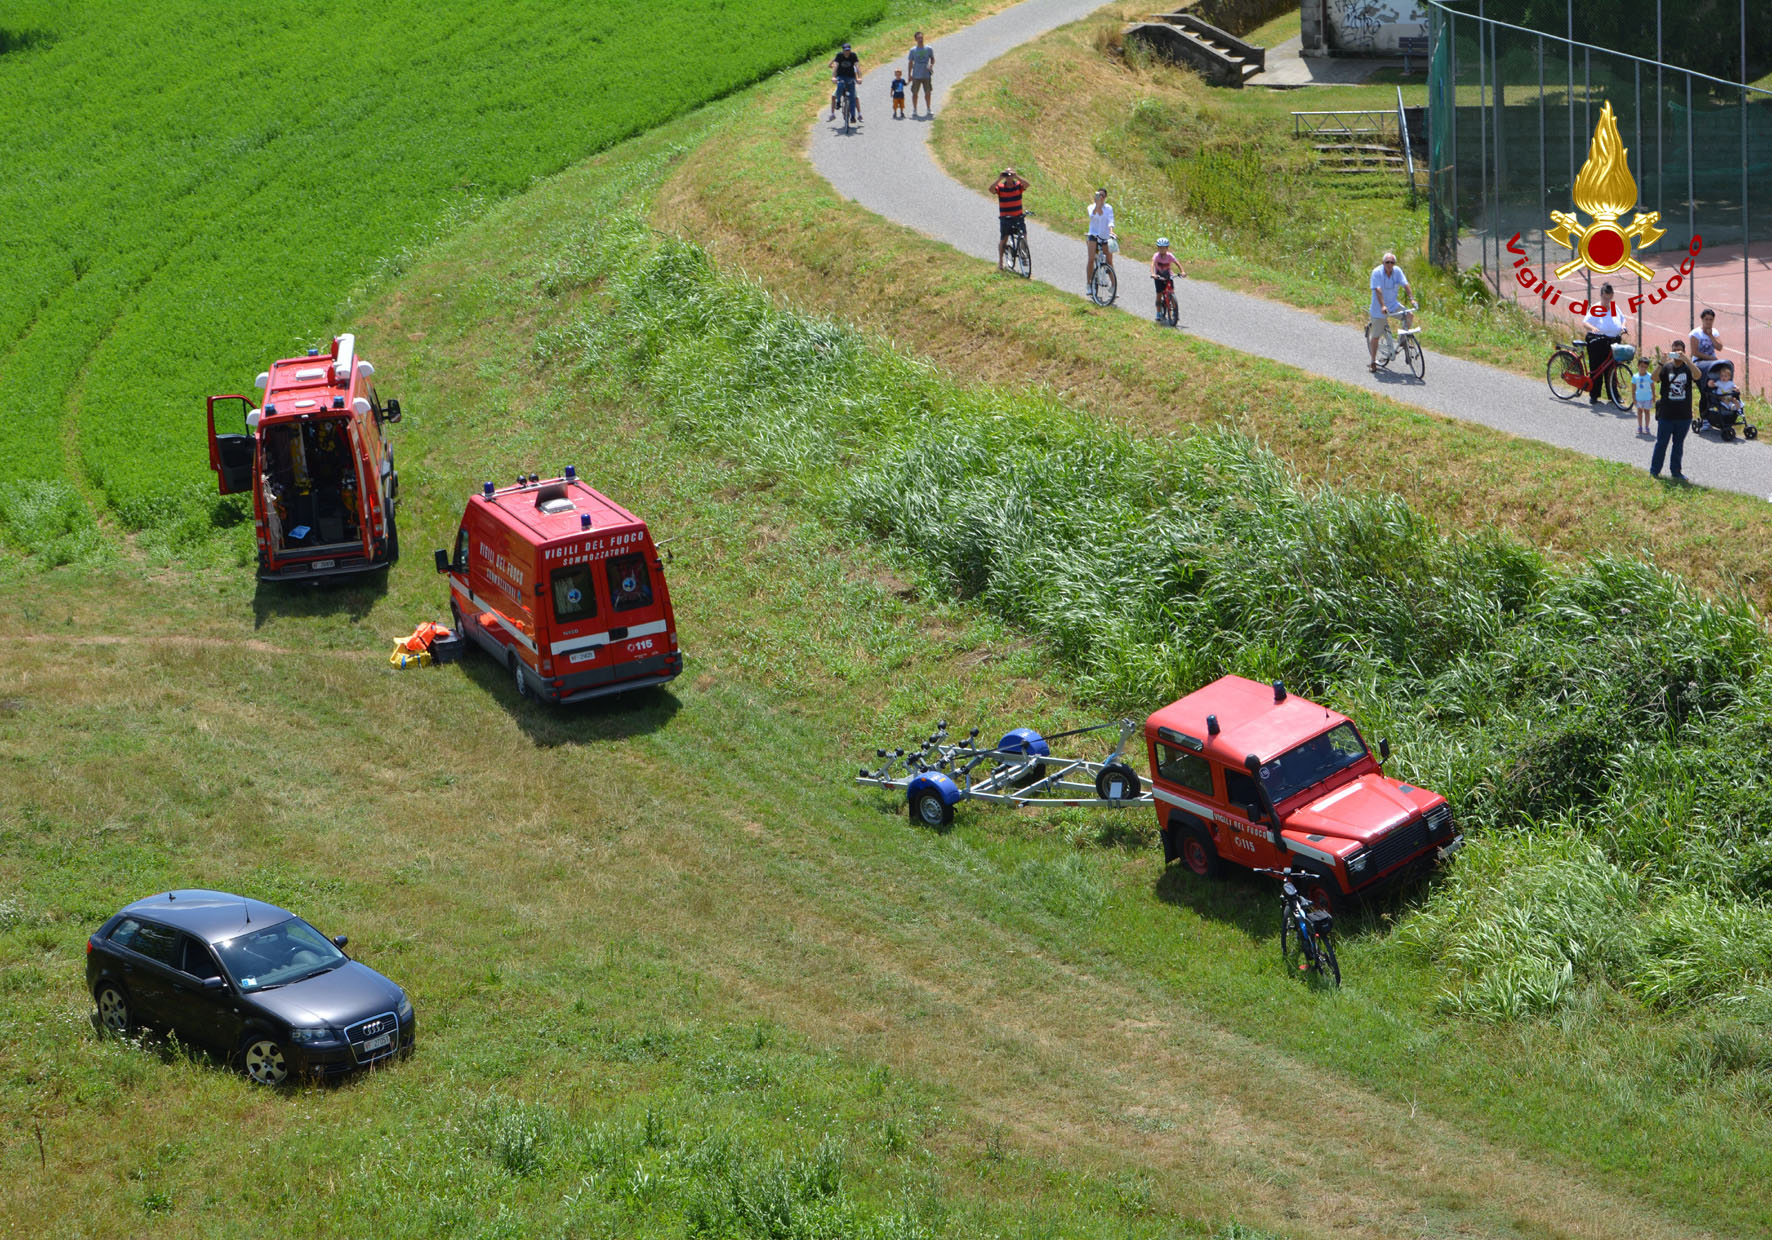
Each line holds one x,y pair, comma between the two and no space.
847,103
1305,928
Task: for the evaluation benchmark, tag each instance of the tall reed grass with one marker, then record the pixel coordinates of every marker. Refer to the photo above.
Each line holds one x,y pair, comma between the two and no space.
1596,727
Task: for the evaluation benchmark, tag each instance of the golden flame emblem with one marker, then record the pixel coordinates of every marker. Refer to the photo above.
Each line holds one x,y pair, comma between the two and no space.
1605,190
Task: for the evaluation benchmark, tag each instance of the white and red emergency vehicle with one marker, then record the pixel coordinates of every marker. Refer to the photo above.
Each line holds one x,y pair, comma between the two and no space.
321,475
563,586
1251,774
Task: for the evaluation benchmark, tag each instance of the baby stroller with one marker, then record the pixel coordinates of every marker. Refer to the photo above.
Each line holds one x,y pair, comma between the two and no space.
1724,414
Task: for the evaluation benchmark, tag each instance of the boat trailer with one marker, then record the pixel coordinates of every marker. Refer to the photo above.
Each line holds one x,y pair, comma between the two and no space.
1020,770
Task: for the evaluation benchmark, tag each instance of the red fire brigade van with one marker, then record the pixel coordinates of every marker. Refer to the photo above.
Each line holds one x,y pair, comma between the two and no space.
1247,773
322,478
564,587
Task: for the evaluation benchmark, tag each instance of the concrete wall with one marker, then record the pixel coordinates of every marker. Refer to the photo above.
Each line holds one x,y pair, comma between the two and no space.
1372,27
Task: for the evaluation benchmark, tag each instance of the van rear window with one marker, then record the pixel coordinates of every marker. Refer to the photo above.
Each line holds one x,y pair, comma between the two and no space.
575,597
630,585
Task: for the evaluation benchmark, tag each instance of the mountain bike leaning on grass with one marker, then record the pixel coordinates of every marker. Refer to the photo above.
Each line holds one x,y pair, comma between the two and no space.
1305,929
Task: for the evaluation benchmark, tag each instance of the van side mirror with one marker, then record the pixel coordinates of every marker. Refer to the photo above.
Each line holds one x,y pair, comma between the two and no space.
339,941
442,560
1384,749
393,410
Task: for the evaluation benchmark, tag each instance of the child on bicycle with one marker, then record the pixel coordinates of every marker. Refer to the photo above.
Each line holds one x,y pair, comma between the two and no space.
1643,393
898,85
1164,269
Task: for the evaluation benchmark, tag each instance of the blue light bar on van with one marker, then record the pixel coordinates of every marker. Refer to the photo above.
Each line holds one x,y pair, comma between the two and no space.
584,520
486,489
571,473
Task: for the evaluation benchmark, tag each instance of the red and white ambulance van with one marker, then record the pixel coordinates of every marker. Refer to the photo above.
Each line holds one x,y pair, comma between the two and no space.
321,475
563,586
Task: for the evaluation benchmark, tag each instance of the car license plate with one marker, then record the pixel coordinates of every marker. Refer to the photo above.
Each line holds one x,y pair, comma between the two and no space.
317,565
376,1044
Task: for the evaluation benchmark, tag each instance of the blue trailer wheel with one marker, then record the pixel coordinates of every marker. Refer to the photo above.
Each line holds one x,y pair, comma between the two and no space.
930,799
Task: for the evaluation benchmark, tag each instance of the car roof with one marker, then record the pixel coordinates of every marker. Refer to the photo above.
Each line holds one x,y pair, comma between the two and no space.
210,915
1250,720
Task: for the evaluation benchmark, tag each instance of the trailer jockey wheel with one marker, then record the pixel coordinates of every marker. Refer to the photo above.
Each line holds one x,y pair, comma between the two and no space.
931,810
1117,782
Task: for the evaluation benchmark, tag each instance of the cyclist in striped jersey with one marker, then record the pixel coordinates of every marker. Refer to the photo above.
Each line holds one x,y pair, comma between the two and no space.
1010,220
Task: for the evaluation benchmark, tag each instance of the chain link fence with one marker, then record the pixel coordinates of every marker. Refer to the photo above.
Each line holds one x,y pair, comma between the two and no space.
1512,113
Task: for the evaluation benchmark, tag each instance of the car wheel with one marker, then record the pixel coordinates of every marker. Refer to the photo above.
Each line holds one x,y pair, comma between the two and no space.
523,689
113,1008
1198,853
264,1061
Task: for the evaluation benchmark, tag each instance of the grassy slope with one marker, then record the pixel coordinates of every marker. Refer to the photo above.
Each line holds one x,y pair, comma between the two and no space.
645,934
756,204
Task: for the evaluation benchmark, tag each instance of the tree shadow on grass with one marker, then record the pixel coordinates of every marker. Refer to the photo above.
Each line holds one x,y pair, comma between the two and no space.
352,597
549,725
24,40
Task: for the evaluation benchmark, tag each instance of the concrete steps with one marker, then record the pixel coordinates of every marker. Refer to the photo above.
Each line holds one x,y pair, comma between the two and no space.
1221,58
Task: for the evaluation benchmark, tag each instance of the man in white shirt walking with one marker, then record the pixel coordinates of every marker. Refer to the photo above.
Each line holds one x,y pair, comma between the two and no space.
1387,281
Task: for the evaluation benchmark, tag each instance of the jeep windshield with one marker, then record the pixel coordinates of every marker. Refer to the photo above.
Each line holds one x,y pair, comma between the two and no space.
1316,760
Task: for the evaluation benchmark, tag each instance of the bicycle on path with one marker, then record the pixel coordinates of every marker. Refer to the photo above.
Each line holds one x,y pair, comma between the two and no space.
1566,373
1016,255
847,102
1401,342
1104,286
1305,929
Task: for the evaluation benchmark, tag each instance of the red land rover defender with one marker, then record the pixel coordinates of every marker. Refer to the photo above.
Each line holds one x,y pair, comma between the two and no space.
322,479
1247,773
564,587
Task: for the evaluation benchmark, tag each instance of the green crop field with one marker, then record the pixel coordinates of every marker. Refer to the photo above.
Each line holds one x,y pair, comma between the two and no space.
188,194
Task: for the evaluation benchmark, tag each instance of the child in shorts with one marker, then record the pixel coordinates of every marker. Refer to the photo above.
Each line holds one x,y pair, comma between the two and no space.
1644,393
898,85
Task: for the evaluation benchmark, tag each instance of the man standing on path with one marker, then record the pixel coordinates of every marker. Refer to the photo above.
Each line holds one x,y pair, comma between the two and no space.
922,74
1387,280
1010,218
1673,412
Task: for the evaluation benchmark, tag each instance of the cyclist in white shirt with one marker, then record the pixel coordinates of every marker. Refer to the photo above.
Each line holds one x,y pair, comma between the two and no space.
1604,329
1101,231
1387,280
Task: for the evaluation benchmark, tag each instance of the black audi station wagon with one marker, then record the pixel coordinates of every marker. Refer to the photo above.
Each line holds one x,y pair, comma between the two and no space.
248,979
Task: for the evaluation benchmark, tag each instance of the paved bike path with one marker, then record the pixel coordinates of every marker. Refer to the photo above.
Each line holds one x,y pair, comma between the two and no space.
887,166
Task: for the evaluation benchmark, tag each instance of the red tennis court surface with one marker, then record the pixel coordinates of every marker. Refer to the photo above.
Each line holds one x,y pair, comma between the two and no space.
1741,298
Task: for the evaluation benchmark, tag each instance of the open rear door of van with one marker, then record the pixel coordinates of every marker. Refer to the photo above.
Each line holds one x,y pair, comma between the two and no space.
231,456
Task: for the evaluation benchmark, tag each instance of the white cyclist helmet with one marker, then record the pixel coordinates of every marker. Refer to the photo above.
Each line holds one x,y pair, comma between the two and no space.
1162,243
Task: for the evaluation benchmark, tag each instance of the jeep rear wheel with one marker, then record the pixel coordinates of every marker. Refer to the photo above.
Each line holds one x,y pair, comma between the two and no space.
1198,853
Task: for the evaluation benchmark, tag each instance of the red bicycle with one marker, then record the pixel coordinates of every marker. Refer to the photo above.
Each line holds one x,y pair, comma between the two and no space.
1566,373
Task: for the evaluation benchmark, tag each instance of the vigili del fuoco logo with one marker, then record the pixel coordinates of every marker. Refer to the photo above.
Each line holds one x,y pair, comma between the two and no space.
1605,190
